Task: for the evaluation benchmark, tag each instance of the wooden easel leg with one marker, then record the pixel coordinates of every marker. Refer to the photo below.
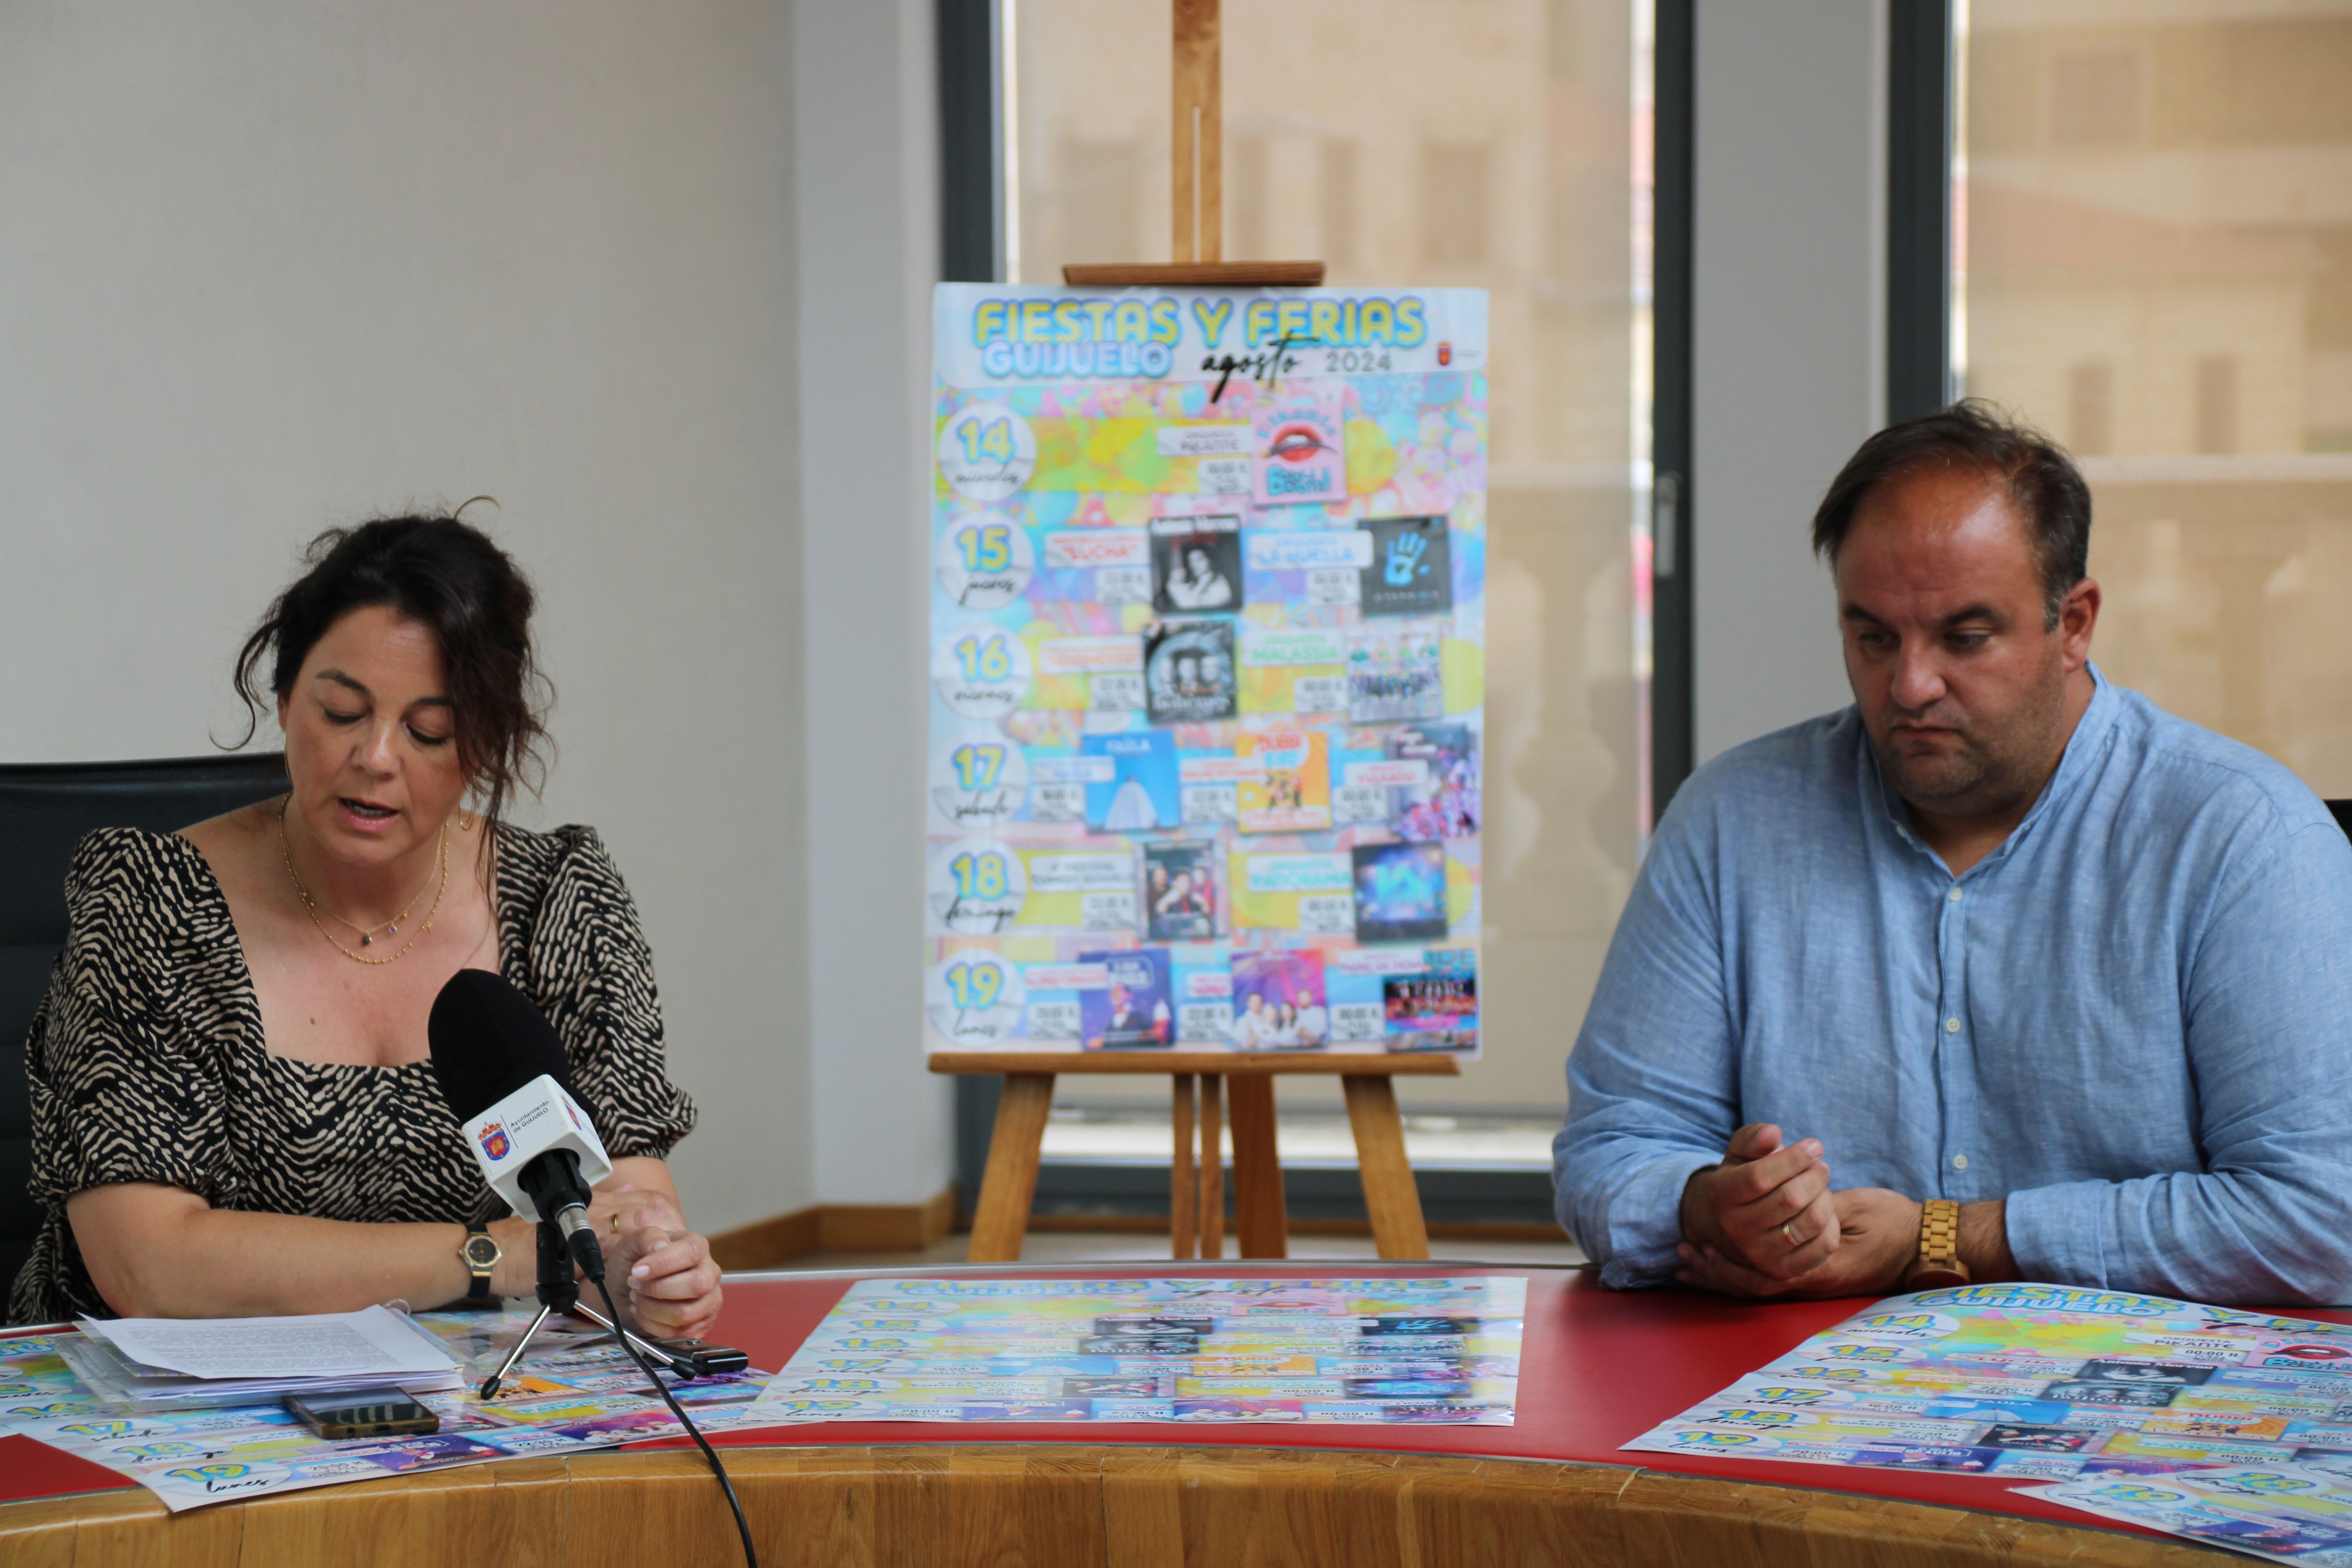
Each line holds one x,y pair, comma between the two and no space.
1213,1167
1002,1217
1390,1195
1183,1228
1197,145
1263,1224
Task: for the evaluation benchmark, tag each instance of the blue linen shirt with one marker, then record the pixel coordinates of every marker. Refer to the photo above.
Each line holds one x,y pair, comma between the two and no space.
2133,1020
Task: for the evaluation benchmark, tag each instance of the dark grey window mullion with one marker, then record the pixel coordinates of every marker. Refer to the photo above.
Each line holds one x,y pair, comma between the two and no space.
1673,85
1919,122
972,142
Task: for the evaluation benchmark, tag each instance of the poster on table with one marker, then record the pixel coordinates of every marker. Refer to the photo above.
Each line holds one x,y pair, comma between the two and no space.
1335,1351
1208,601
2230,1428
2040,1383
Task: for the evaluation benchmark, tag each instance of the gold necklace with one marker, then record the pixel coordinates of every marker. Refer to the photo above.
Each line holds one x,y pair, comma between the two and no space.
367,934
310,905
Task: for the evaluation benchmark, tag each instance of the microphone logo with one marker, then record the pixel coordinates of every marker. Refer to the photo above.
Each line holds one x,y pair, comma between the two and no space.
494,1140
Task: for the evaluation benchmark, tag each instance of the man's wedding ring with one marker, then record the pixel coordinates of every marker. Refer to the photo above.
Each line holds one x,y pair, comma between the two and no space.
1789,1236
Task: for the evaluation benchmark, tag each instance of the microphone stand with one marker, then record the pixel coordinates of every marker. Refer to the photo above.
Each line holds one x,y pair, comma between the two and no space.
558,1291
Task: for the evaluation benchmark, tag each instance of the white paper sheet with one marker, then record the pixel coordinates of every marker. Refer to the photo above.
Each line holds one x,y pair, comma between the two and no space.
575,1392
371,1343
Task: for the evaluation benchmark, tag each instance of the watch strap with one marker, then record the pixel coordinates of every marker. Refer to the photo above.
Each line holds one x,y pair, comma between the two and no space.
1938,1263
477,1288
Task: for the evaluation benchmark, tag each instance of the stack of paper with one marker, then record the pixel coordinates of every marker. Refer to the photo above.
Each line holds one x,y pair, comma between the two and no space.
173,1364
574,1392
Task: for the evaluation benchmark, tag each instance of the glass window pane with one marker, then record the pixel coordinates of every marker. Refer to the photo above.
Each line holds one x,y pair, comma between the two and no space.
2156,266
1501,144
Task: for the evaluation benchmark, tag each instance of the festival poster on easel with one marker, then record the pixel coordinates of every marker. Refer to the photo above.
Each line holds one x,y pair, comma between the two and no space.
1208,633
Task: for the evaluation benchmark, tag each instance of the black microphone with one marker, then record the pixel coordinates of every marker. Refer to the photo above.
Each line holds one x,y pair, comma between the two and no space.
501,1069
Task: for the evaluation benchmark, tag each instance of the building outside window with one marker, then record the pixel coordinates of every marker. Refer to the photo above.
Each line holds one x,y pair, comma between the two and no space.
2155,264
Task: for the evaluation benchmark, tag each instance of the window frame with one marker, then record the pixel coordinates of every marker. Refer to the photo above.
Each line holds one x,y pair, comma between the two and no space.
1673,667
1921,125
970,42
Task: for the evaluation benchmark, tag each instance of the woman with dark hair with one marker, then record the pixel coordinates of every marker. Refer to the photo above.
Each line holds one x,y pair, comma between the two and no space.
234,1112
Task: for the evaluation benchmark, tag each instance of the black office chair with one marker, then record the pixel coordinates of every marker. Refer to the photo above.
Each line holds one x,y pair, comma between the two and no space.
45,808
2343,810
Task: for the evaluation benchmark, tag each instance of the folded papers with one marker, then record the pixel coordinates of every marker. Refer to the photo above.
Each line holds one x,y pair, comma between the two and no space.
152,1364
575,1392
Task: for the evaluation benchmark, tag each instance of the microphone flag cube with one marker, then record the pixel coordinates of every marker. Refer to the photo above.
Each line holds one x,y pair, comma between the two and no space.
535,1120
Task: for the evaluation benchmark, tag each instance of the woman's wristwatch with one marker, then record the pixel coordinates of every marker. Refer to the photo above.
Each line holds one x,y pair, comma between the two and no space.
1938,1265
480,1252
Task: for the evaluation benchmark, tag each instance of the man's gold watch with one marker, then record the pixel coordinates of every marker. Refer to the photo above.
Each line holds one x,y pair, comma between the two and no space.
1938,1265
480,1252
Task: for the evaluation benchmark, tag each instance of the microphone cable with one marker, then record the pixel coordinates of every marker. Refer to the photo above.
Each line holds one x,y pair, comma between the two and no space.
710,1453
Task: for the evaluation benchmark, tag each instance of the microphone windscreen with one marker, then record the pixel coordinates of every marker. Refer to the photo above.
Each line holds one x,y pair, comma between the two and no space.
487,1041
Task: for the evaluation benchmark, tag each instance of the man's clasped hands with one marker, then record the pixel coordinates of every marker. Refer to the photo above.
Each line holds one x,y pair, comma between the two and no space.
1766,1223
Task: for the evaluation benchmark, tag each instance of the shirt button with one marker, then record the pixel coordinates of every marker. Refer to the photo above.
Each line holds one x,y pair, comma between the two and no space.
1960,1162
1954,895
1951,1026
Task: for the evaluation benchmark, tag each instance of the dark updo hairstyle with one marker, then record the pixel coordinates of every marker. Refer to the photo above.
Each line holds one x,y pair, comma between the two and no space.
447,576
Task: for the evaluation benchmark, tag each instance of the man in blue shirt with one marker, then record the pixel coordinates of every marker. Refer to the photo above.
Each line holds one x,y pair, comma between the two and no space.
2002,935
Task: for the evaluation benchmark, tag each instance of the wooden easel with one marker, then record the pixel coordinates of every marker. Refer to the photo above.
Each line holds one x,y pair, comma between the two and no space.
1197,1173
1196,1178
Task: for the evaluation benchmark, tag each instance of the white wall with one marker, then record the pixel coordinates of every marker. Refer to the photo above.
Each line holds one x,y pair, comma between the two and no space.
864,96
1790,308
270,264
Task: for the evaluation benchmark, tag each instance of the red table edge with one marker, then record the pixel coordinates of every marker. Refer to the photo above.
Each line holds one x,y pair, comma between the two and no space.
35,1481
927,1434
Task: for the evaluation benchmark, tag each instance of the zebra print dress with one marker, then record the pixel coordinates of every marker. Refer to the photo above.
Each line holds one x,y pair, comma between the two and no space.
147,1060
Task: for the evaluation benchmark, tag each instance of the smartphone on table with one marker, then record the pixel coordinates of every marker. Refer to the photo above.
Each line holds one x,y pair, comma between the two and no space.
363,1412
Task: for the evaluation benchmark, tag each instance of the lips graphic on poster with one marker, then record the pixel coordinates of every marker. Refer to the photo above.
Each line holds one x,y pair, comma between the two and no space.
1302,450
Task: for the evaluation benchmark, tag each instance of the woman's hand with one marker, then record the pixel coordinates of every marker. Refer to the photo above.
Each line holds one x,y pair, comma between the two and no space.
660,1268
660,1271
664,1281
618,1207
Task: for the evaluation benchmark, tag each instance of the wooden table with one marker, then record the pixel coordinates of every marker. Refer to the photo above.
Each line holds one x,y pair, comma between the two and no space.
1196,1173
1060,1506
1553,1489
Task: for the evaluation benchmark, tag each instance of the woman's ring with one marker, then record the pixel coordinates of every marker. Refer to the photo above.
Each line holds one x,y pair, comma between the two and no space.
1788,1235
